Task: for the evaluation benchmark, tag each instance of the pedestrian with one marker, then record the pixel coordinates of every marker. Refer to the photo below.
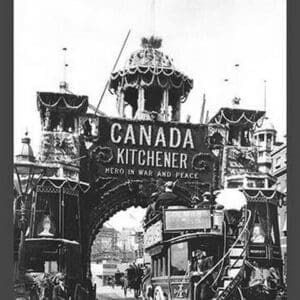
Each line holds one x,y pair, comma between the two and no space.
60,290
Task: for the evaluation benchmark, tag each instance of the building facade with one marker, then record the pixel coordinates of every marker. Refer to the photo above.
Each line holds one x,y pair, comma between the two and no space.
106,246
279,170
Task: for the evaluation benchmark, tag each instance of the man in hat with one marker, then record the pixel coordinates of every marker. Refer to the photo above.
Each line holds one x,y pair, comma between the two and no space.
60,290
202,265
206,202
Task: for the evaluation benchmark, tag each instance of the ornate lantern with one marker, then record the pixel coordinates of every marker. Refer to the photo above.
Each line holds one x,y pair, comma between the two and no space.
27,173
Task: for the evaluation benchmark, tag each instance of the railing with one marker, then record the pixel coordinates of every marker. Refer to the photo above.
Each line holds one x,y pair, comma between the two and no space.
226,255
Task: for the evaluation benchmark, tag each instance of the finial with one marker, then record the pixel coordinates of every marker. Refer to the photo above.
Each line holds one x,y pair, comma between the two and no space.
265,95
63,85
26,139
151,42
236,101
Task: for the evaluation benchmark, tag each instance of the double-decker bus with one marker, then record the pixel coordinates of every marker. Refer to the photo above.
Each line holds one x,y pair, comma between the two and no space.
195,254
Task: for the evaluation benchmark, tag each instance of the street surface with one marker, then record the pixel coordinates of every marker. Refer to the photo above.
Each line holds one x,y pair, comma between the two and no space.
108,293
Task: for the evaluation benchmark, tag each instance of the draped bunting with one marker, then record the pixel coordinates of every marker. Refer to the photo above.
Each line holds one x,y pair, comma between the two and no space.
58,100
237,116
84,187
166,78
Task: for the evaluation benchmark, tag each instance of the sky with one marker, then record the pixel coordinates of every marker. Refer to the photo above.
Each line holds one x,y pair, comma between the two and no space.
130,218
205,38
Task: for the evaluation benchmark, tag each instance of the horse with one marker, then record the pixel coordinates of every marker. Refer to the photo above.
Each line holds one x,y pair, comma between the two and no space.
133,280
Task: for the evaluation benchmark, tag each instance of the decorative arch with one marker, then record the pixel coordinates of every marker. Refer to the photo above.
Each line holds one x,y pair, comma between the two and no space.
113,196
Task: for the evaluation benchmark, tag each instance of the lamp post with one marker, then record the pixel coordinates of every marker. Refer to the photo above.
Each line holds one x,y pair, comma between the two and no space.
27,173
216,150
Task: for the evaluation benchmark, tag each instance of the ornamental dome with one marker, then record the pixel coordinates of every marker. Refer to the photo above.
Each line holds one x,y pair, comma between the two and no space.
26,151
265,124
150,67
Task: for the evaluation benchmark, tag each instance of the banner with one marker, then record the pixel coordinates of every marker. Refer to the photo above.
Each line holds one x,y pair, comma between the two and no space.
134,148
239,160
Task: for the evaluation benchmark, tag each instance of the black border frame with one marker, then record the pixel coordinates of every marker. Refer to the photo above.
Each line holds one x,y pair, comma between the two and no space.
6,228
6,182
293,66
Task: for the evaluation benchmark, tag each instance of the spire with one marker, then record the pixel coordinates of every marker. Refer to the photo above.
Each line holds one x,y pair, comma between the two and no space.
153,17
236,80
207,117
63,85
265,95
202,110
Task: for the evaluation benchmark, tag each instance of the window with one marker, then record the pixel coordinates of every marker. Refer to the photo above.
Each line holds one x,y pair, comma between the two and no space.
179,259
278,162
235,184
260,183
261,137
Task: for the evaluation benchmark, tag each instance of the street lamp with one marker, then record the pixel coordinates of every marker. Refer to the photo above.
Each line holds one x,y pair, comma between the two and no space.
216,150
27,173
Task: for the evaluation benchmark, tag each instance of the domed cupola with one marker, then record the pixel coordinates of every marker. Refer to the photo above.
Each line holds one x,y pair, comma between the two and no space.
26,153
150,84
265,124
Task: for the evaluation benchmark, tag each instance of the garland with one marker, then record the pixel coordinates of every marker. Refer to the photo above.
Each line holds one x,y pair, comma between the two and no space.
61,98
68,182
141,80
243,116
260,193
155,70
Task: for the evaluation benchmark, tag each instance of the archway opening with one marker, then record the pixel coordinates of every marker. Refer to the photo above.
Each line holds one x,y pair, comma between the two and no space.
118,244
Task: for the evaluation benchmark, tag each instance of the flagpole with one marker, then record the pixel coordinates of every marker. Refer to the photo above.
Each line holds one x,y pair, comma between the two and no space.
265,95
116,62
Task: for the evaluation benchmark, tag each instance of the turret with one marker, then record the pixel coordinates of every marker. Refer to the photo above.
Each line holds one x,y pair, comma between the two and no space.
60,115
150,85
264,139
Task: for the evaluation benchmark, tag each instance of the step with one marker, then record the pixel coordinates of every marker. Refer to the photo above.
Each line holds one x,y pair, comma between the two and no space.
236,251
237,262
240,244
233,272
226,282
220,290
227,277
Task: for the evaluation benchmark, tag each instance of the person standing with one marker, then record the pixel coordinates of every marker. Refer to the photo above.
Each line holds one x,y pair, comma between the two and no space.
60,290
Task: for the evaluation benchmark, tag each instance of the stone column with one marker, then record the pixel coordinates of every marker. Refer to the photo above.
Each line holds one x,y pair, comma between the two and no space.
176,111
165,105
121,104
245,181
141,103
164,271
159,266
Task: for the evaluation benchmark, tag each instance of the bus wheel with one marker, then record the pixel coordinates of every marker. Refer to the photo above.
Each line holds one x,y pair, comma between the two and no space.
159,294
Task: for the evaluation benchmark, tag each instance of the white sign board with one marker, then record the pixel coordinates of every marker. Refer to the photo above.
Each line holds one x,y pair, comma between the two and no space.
187,219
153,234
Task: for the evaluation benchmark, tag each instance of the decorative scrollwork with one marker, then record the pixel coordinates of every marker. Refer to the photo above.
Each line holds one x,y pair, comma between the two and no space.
201,162
102,154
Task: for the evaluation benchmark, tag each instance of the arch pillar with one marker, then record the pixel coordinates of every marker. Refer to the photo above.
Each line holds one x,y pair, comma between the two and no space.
165,105
140,103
